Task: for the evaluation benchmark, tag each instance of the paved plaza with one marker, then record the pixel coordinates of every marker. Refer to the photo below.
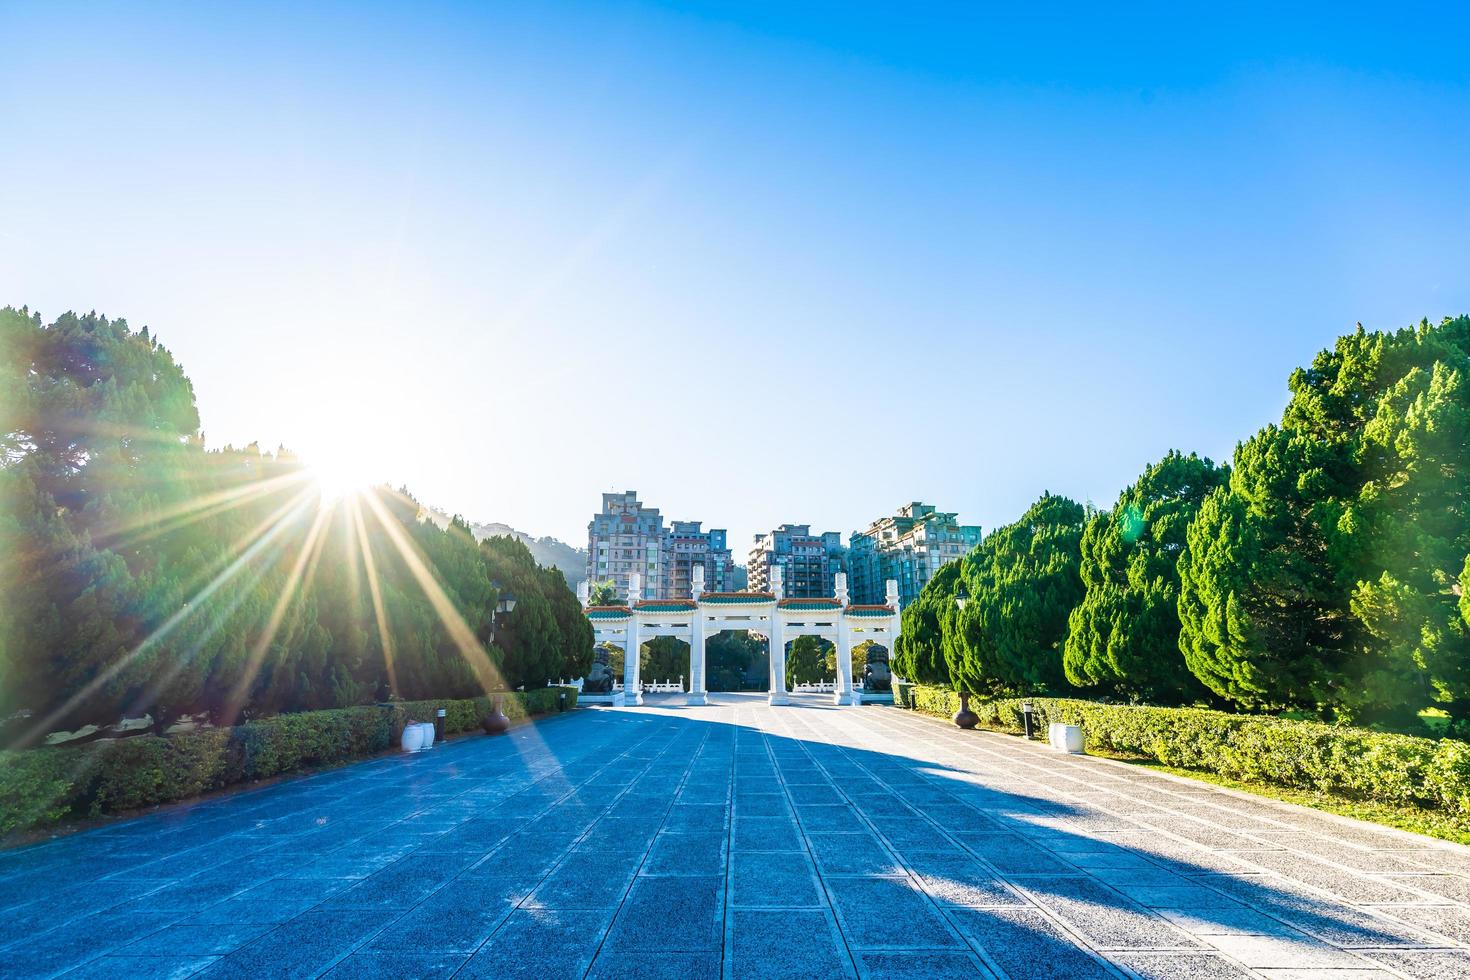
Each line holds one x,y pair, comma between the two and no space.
739,840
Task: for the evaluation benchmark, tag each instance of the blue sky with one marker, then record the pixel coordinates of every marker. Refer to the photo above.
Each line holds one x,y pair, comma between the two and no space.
761,264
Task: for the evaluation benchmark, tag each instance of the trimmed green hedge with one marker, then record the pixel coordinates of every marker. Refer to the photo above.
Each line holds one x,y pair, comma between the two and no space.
903,694
1350,762
42,786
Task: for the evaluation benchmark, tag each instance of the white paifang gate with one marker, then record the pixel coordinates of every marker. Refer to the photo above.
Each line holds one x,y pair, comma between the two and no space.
769,614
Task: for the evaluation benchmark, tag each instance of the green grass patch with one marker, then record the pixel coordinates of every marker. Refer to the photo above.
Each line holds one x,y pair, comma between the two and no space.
1436,721
1431,823
1450,826
1393,772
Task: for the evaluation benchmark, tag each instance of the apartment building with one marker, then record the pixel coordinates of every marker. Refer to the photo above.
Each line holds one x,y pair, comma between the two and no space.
908,547
686,547
625,536
810,562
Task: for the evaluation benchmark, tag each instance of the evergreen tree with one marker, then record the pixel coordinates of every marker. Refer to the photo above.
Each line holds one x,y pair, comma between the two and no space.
1023,582
1464,592
141,574
98,422
664,658
807,661
1124,634
918,654
729,656
530,637
1323,575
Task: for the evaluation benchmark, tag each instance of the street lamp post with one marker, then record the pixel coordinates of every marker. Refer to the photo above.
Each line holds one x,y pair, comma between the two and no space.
504,606
496,722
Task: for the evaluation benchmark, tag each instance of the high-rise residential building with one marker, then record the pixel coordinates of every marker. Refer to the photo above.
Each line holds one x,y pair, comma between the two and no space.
626,537
688,546
908,547
810,562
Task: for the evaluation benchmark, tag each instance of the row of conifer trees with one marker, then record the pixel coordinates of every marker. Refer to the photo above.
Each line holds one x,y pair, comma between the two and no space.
142,573
1326,569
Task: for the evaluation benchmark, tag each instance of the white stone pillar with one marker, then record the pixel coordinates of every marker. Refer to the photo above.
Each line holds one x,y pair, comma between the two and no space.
777,639
697,692
633,652
895,625
844,692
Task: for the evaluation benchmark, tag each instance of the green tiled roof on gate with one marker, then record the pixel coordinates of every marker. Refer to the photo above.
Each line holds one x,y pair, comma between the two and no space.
735,598
666,605
870,610
809,605
608,612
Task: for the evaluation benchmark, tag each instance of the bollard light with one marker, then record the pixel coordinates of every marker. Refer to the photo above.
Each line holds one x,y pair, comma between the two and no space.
439,726
1026,717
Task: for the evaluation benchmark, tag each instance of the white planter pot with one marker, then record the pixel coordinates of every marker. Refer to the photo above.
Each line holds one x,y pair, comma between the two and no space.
1066,738
413,738
426,739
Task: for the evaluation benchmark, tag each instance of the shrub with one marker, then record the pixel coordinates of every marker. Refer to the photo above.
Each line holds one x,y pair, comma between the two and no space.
903,693
37,787
934,700
1351,762
42,786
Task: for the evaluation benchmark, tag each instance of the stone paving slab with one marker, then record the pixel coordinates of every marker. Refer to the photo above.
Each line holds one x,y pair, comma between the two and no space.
738,840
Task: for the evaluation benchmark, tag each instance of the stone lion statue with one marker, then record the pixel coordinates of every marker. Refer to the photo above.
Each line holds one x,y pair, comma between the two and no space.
876,675
599,679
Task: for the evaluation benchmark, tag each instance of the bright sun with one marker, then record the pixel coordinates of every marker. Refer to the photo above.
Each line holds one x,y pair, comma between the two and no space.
343,466
349,442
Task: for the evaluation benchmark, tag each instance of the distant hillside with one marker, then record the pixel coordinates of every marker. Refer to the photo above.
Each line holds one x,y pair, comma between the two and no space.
548,552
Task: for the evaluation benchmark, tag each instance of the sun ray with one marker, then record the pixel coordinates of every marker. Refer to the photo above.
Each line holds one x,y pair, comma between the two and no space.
263,533
309,547
218,617
486,673
283,511
527,742
380,611
194,509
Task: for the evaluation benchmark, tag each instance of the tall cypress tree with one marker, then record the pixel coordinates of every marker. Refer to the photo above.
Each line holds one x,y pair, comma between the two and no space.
1023,581
918,654
1124,635
1323,575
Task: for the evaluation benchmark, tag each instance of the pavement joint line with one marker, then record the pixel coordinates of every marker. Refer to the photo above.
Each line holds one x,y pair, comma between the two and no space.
948,914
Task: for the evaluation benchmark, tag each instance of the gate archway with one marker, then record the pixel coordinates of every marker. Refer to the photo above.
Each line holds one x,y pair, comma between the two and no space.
770,614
